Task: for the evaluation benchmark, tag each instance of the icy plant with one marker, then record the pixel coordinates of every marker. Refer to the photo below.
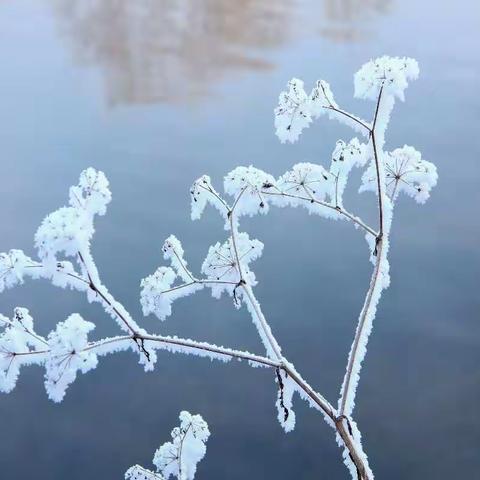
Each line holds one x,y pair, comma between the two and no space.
64,237
179,457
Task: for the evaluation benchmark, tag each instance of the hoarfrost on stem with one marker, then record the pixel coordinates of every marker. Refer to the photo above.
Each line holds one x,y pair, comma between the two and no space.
68,232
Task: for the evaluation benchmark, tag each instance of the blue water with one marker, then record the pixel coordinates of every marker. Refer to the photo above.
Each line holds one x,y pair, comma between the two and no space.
156,94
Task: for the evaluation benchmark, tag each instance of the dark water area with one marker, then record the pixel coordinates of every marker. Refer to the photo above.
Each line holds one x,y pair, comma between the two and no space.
156,94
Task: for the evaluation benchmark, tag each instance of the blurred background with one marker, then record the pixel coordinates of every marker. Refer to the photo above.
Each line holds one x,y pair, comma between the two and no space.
156,93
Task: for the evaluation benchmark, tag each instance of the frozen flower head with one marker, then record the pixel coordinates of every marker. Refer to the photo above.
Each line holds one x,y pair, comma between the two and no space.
179,458
12,268
344,158
173,251
139,473
405,171
91,193
202,192
12,348
67,230
225,270
293,112
245,185
303,185
68,355
321,98
347,155
391,74
158,292
15,341
153,296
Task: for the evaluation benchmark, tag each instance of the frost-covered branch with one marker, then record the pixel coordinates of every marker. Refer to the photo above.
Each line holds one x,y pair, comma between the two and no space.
226,269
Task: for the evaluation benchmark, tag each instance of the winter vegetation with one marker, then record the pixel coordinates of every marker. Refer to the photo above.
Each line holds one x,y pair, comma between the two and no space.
179,457
64,259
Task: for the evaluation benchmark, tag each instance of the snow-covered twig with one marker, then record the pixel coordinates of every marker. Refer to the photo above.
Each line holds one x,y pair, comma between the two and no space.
226,269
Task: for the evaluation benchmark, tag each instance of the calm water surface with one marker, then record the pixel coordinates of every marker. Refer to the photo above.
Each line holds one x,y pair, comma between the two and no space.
158,93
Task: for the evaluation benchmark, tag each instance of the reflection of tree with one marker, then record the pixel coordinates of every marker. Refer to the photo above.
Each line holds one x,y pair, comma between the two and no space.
173,50
164,50
346,19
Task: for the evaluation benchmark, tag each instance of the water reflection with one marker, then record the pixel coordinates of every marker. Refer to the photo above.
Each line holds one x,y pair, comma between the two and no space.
152,51
170,51
349,20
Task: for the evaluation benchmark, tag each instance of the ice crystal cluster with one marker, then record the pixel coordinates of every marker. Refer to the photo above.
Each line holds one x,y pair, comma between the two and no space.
63,243
178,458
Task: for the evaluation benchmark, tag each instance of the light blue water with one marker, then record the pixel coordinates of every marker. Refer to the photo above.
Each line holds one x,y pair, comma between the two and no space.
155,96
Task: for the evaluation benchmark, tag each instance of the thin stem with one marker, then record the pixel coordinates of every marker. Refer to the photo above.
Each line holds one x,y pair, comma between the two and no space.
107,298
184,267
373,293
346,437
347,390
180,448
337,208
68,274
316,398
216,195
348,115
198,282
340,111
233,230
26,330
262,323
378,168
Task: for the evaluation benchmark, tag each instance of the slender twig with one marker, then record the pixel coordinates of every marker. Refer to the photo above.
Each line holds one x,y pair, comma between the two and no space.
233,231
348,115
367,309
25,329
182,263
215,194
337,208
104,295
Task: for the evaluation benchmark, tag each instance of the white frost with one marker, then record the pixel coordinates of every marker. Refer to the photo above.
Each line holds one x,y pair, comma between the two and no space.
68,355
405,171
390,73
178,458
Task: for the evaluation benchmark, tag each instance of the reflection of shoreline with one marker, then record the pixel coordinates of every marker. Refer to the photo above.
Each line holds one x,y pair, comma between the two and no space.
164,51
175,50
347,20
